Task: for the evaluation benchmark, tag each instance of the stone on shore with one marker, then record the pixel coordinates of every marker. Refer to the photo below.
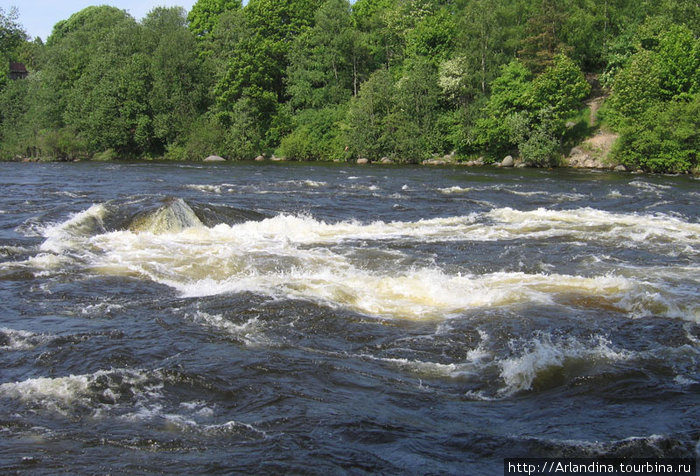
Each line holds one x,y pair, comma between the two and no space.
362,161
434,162
214,158
507,161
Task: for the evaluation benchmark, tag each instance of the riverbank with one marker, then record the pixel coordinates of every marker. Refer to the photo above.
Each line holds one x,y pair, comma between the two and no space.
591,154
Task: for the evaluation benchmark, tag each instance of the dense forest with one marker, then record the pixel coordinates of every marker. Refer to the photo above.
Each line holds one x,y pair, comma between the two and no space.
334,80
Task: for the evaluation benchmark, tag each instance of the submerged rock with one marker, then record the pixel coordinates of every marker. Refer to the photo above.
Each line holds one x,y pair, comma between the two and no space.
172,217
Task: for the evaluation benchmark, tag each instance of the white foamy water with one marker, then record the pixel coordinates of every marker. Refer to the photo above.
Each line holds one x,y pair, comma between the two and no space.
91,392
62,236
251,332
289,257
209,188
529,360
543,352
597,225
12,339
124,394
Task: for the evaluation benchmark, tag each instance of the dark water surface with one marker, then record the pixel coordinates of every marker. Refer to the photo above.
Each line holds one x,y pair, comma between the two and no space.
319,319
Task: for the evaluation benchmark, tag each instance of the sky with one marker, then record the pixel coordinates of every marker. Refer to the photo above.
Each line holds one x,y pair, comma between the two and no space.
39,16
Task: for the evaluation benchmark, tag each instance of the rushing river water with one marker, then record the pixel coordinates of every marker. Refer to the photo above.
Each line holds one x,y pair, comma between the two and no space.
320,319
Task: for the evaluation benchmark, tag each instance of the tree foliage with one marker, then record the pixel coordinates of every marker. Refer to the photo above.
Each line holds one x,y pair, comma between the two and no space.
339,80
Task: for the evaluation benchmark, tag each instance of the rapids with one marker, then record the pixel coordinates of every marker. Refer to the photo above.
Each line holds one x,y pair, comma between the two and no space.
320,318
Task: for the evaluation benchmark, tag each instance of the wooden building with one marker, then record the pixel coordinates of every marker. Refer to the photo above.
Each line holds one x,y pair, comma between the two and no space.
18,70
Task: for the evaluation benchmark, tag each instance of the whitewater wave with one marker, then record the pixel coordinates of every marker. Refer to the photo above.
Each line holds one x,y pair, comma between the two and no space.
299,257
493,374
250,332
12,339
123,394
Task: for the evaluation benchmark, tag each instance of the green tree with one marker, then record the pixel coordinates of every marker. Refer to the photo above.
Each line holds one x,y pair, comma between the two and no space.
655,100
367,134
325,60
413,123
71,47
109,103
561,88
205,15
256,71
663,138
543,38
318,134
12,39
370,19
511,93
177,81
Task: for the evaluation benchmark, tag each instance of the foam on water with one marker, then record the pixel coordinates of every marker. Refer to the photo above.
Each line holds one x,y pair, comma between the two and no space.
12,339
61,236
122,394
65,395
496,375
455,189
543,352
289,257
209,188
598,225
250,331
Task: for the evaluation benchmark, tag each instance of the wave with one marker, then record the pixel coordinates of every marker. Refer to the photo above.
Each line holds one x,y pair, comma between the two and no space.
495,374
249,333
543,353
206,188
498,224
126,395
91,392
652,446
597,225
11,339
299,257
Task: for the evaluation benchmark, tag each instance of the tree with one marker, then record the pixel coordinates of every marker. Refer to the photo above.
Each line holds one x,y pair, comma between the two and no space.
663,138
529,113
12,38
511,93
108,103
561,88
256,71
544,35
413,123
367,135
323,65
656,100
205,15
177,81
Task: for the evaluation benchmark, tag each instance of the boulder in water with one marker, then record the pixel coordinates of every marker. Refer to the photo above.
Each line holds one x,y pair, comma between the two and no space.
172,217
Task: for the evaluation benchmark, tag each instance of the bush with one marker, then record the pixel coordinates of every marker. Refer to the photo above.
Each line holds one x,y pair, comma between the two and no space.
665,138
63,144
206,137
317,136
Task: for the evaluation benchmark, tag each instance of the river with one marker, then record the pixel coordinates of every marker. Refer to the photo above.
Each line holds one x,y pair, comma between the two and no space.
325,319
